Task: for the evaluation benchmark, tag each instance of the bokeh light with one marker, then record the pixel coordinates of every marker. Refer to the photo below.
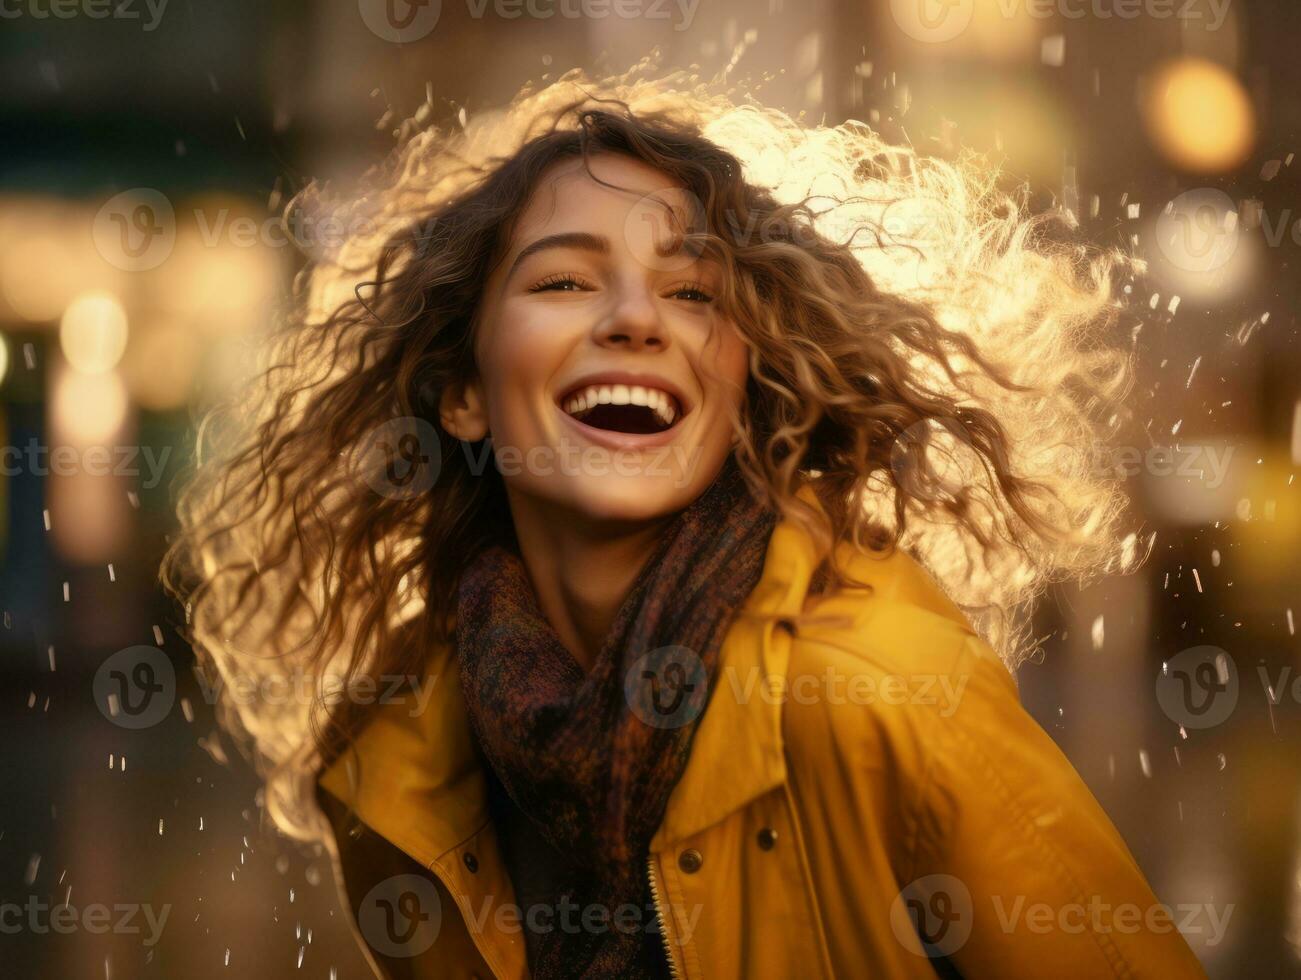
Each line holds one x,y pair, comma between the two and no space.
87,408
93,332
1199,116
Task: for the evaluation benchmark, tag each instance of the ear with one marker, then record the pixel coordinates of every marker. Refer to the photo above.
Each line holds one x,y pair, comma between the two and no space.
463,410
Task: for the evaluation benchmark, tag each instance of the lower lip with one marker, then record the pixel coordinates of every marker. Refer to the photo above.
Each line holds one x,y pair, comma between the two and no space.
631,441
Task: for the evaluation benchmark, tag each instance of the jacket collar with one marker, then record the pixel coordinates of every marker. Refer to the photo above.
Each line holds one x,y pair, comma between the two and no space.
737,753
413,774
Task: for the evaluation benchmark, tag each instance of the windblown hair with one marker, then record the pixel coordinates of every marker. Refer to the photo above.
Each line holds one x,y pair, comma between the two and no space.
932,359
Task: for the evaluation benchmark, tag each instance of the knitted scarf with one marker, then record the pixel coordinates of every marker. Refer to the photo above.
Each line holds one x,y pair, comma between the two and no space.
591,757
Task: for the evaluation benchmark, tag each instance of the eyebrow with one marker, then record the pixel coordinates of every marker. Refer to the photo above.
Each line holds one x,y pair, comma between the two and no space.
564,239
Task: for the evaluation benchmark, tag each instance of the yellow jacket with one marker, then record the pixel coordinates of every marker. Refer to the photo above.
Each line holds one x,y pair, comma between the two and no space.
863,766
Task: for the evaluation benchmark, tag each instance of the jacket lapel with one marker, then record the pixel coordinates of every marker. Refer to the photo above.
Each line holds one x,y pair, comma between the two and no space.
736,755
412,774
414,777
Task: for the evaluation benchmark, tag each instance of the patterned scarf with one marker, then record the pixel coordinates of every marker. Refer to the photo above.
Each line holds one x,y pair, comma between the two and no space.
591,757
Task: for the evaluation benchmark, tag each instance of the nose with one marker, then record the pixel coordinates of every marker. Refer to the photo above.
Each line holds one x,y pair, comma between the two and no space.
633,322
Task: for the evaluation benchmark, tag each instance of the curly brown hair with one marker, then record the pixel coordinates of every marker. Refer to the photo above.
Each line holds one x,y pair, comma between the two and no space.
908,428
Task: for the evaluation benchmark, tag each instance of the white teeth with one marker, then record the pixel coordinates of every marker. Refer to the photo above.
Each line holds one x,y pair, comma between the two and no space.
660,402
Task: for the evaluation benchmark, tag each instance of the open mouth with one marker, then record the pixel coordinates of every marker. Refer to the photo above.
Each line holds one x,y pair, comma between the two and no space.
632,409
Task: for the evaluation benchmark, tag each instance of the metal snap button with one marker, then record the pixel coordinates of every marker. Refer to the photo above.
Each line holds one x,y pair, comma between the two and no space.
690,860
471,862
767,838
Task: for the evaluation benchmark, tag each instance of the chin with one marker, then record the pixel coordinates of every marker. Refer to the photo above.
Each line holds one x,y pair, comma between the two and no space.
630,499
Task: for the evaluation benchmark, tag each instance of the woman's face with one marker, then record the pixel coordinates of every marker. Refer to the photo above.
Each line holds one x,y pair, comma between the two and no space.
607,376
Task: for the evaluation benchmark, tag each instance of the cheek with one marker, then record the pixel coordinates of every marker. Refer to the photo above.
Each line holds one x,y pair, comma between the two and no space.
517,354
731,363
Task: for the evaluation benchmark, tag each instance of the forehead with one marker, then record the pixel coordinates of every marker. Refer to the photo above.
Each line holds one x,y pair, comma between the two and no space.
577,192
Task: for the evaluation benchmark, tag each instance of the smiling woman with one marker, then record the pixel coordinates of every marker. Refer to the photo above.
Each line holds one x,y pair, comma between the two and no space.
579,338
789,451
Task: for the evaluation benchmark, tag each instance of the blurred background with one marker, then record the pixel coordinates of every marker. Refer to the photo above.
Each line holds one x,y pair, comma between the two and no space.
148,152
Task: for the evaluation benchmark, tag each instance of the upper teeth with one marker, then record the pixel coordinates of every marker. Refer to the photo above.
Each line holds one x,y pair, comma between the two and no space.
660,402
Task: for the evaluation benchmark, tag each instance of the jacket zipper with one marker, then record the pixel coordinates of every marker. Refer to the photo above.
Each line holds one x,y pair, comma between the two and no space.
664,929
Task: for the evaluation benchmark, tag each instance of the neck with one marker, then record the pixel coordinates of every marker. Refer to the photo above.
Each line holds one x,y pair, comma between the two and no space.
581,570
